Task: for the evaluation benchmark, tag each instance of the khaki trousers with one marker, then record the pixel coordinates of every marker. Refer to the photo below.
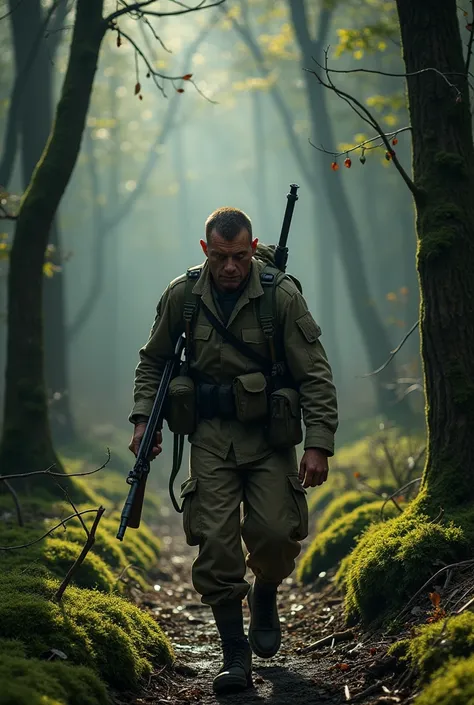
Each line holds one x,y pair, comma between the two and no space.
275,519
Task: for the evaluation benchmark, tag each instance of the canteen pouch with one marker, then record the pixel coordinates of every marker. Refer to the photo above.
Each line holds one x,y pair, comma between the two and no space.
181,411
284,425
250,395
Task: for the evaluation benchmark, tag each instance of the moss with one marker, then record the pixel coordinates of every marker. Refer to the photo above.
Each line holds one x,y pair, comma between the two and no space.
140,546
342,505
333,544
320,497
437,643
103,632
393,559
34,682
56,556
452,685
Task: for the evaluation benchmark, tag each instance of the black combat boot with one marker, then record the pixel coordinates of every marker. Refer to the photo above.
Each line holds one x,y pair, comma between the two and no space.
264,630
236,672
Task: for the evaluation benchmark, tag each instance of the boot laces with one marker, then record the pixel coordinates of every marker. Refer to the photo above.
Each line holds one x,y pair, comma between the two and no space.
235,651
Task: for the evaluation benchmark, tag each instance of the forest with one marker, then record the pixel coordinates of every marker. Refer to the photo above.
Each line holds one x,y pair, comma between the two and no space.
123,125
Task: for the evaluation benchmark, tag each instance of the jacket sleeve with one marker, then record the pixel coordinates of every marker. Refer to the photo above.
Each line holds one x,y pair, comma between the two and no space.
166,329
309,367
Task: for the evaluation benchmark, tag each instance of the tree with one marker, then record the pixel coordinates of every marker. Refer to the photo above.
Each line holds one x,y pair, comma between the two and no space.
26,441
437,76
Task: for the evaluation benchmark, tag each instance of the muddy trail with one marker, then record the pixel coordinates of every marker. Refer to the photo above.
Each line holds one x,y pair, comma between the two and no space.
349,667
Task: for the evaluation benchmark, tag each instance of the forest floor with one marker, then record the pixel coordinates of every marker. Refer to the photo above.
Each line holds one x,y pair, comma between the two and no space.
352,667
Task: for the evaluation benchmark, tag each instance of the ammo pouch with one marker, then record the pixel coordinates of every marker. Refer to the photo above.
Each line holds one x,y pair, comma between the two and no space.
284,424
250,394
181,412
215,400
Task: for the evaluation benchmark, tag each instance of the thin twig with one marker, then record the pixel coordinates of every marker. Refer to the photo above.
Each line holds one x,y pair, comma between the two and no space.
381,494
56,474
361,145
19,514
397,492
61,523
348,635
393,352
80,559
438,516
140,5
471,39
466,606
74,508
430,580
3,17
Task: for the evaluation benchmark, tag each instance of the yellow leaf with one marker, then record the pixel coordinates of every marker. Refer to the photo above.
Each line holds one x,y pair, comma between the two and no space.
391,296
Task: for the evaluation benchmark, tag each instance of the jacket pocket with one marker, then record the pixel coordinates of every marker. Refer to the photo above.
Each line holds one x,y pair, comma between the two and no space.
250,395
300,507
191,512
284,426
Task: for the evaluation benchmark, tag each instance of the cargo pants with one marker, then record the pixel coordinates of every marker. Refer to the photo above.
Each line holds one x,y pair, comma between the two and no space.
275,520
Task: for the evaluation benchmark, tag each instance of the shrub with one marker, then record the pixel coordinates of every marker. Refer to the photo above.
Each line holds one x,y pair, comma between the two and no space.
342,505
331,545
103,632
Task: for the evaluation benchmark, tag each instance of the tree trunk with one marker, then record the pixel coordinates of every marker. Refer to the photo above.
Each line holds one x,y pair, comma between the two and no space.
37,100
26,442
374,335
443,161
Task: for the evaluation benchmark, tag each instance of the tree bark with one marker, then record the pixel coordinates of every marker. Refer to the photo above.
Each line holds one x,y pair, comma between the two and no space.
443,159
36,98
374,335
26,442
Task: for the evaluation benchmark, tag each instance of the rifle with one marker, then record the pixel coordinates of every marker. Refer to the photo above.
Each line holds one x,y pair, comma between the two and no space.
281,250
138,475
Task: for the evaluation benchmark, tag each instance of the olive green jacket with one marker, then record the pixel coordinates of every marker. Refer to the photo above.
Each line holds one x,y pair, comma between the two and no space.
218,359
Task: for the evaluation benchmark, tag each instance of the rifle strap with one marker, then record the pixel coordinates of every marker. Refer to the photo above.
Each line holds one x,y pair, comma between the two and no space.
178,448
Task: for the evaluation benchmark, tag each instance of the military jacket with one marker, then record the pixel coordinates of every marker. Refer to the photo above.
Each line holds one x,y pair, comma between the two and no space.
218,359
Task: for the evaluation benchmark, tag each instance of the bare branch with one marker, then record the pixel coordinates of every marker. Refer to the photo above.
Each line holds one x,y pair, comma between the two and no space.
74,508
397,492
3,17
361,145
138,7
393,352
61,523
80,559
49,472
366,115
471,40
381,494
19,514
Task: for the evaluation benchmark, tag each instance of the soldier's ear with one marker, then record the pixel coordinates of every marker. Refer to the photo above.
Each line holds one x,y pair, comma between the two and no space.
254,244
204,246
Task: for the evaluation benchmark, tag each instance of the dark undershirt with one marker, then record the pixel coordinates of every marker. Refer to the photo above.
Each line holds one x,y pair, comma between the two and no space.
225,300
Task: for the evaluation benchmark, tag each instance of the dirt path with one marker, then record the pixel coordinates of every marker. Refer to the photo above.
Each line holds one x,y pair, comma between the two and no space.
331,675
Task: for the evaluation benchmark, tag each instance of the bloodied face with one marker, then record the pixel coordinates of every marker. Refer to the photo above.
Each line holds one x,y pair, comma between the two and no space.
229,260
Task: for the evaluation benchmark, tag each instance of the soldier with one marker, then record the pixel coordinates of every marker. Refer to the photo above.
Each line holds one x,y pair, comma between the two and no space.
246,396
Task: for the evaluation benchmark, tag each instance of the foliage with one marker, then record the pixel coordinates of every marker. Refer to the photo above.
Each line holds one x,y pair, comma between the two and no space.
436,644
342,505
392,560
103,632
452,685
333,544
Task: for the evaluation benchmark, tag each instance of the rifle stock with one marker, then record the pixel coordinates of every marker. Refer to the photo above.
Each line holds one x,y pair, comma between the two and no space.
138,475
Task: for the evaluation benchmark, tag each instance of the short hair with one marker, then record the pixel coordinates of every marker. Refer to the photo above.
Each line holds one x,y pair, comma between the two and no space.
228,222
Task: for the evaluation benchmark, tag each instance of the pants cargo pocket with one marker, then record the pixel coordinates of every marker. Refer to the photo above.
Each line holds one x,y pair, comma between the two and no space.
300,507
190,511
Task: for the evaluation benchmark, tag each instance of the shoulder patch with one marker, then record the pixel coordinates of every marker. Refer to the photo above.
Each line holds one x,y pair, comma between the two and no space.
308,327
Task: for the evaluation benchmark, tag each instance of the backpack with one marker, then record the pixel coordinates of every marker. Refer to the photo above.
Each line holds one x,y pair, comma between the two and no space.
270,277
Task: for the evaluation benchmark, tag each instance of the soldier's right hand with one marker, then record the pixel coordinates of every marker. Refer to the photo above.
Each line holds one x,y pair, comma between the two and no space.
137,437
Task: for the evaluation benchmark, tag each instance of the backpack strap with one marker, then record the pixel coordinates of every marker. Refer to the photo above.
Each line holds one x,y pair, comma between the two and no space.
267,314
191,304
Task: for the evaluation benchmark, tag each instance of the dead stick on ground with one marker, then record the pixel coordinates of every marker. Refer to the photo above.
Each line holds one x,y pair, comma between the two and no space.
368,691
80,559
19,514
338,636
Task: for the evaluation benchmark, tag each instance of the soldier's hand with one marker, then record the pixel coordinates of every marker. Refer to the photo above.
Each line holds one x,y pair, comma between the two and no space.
137,437
313,467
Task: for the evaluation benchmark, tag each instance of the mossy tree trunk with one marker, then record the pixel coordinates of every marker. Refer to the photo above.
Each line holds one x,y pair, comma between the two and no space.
373,333
443,167
26,443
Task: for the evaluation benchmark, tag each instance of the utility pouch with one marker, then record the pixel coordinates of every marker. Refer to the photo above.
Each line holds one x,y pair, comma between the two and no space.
181,411
250,394
284,426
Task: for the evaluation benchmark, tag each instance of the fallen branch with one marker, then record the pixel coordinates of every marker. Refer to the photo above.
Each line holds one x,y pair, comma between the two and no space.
61,523
368,691
348,635
80,559
49,472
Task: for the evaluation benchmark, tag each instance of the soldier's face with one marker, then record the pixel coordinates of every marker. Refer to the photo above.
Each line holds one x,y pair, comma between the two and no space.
229,262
